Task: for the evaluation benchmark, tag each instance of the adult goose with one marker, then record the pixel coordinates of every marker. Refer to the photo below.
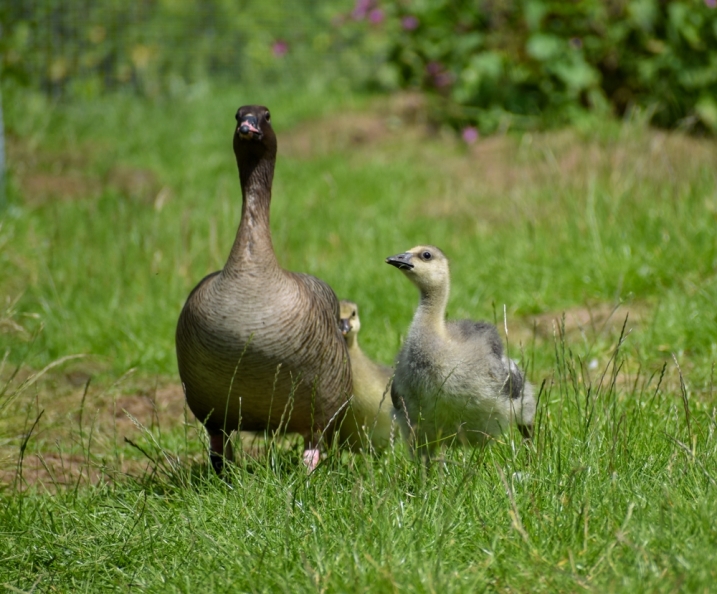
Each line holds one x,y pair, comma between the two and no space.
370,418
259,348
452,379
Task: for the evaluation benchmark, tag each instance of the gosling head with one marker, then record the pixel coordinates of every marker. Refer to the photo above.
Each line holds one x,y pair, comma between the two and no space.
349,322
253,134
425,266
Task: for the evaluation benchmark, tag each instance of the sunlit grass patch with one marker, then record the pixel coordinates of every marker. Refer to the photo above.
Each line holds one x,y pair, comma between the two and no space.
616,491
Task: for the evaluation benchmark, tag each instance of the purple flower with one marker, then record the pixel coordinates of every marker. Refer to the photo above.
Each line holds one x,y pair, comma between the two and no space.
470,134
444,79
434,68
375,16
711,3
279,48
410,22
361,9
438,75
577,43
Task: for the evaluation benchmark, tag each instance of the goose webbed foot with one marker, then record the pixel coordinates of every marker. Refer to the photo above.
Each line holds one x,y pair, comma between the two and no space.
217,462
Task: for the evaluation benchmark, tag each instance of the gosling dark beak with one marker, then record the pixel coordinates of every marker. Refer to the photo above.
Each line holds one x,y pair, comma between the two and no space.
345,326
401,261
248,128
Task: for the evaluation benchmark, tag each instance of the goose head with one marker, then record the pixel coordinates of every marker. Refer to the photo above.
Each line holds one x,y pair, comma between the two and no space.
349,322
425,266
253,135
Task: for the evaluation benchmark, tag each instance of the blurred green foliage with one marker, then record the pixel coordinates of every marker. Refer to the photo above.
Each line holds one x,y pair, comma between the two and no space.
486,63
496,63
71,48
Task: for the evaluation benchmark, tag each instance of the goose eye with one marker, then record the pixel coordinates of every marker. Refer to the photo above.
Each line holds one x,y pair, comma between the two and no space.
267,117
426,255
353,314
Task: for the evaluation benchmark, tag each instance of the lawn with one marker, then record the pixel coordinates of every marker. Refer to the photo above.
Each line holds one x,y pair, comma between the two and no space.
592,248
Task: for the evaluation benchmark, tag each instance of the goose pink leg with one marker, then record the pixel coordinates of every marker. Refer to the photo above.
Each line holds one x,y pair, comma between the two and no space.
312,456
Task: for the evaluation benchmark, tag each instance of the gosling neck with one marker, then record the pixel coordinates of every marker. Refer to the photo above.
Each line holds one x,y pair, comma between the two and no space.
431,310
352,341
253,239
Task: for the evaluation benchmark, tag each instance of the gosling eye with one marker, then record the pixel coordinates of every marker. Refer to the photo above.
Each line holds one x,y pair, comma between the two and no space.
426,255
236,116
267,117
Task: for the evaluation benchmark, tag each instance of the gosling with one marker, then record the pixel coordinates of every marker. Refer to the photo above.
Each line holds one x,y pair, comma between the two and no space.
369,419
452,381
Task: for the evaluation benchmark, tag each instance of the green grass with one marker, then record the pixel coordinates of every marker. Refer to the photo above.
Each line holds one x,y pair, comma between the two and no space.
618,490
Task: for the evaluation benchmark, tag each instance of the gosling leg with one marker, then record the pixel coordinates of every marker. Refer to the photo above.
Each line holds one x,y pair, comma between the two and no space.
526,431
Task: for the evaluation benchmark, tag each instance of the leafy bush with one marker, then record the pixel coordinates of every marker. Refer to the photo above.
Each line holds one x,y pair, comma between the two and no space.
542,62
487,63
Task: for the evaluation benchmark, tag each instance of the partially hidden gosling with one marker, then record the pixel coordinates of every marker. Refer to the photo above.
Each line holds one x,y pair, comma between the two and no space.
452,382
369,418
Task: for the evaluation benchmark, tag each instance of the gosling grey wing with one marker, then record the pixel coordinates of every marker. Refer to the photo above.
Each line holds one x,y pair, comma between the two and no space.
469,330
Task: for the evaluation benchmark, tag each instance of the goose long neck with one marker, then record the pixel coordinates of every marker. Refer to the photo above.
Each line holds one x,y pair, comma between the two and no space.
431,310
253,240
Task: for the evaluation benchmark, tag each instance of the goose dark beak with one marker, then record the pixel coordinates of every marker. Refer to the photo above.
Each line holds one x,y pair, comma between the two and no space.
345,326
401,261
249,128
